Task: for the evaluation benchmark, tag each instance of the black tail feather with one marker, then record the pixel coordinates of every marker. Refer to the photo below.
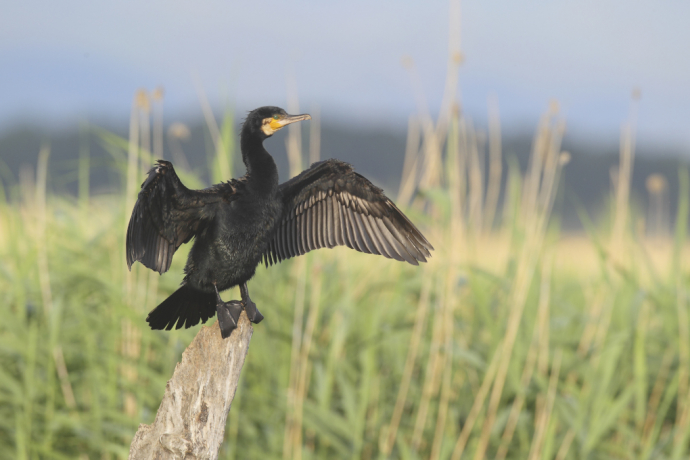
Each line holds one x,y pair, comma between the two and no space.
186,307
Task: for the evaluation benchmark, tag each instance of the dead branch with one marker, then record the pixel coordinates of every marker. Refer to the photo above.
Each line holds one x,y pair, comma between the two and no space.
190,422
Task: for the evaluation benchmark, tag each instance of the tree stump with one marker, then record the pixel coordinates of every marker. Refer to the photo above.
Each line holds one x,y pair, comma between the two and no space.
191,419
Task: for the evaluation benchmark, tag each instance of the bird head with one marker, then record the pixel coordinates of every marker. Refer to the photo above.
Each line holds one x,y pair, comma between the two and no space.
266,121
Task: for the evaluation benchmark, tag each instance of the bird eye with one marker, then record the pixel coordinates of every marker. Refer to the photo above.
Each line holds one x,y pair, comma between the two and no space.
275,117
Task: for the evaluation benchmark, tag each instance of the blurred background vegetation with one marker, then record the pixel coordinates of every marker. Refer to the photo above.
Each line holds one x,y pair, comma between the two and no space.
550,323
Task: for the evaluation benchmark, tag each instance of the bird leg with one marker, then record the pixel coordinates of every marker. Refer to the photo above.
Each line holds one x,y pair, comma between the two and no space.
228,314
253,313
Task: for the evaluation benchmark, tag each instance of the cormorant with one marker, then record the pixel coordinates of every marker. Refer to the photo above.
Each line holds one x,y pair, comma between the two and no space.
238,223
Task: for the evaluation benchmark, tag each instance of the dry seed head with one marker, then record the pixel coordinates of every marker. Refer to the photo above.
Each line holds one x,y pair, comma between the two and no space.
636,94
564,158
455,109
142,100
407,61
656,183
179,131
554,106
158,93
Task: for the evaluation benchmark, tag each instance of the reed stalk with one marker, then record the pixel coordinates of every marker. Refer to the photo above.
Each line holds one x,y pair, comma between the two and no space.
493,189
419,323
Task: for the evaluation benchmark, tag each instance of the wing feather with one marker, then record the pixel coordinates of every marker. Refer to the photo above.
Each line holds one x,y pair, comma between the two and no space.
360,232
168,214
330,205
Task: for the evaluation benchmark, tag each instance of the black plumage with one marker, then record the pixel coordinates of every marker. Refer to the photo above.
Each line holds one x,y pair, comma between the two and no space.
239,223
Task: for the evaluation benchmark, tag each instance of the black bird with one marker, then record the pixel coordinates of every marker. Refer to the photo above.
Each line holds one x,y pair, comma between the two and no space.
238,223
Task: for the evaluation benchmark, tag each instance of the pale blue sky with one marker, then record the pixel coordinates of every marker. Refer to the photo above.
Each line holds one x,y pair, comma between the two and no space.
73,58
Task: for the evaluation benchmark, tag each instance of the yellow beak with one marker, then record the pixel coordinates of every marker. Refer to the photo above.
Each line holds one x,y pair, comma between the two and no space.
278,124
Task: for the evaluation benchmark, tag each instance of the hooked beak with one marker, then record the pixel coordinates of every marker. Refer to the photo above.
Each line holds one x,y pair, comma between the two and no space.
292,119
270,126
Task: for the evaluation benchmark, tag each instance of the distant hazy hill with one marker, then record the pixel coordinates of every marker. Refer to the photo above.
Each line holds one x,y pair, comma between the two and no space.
376,152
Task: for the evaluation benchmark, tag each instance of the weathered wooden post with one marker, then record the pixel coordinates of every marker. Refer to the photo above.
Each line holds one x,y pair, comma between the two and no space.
190,422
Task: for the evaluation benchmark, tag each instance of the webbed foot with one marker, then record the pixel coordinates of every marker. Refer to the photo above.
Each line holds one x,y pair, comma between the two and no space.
228,315
253,313
229,312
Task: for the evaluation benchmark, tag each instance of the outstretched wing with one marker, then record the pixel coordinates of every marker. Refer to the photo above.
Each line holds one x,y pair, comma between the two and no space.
166,215
330,205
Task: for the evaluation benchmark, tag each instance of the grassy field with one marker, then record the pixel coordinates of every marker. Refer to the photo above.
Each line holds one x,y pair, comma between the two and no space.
514,341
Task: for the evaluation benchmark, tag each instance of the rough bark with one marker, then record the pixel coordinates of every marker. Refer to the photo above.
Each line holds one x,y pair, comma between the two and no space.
190,422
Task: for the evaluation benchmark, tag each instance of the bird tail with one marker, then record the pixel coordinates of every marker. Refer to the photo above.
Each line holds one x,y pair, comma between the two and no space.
186,307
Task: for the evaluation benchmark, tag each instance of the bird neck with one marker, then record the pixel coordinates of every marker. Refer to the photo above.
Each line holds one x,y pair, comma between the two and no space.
262,172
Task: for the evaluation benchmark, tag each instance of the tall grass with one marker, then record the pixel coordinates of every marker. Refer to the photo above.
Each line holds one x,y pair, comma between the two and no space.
514,341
